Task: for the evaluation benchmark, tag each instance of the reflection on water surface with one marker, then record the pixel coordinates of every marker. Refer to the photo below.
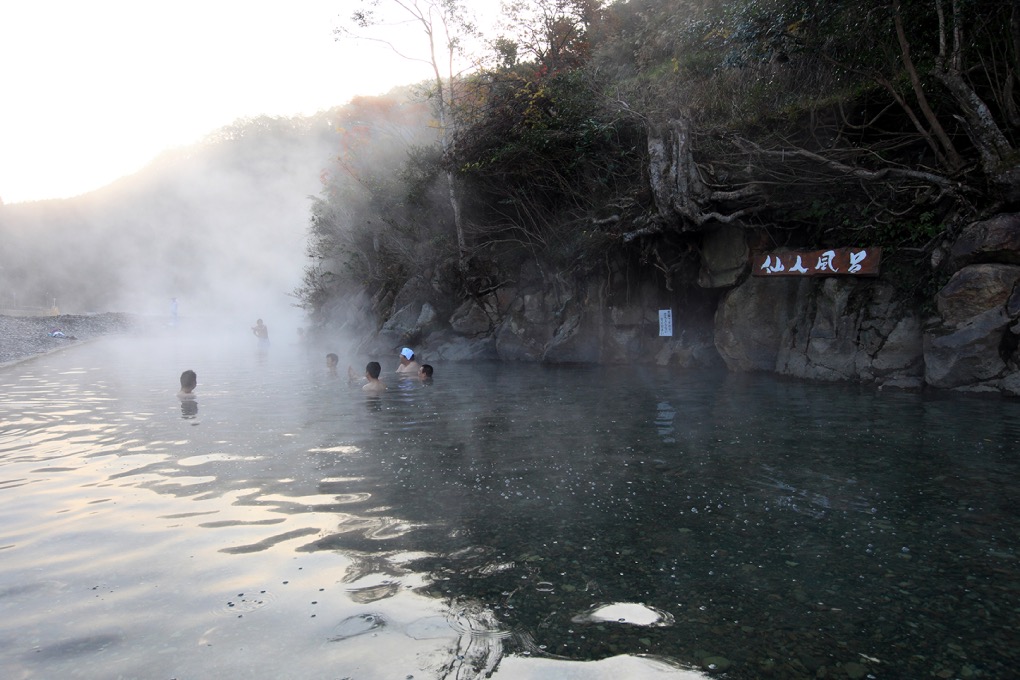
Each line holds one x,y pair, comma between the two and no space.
523,521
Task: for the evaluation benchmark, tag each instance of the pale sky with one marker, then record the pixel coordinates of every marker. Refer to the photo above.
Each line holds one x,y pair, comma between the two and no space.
93,90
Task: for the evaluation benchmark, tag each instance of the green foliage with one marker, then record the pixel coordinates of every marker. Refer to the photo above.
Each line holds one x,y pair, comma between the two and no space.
381,216
803,116
542,154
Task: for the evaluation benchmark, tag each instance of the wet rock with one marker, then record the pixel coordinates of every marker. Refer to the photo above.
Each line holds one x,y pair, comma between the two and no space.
975,290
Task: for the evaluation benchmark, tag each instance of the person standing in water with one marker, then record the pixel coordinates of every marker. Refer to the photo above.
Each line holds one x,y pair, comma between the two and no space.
261,331
331,361
407,362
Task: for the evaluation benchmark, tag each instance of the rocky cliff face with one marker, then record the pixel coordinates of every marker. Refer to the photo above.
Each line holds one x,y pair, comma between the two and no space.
856,330
973,344
832,329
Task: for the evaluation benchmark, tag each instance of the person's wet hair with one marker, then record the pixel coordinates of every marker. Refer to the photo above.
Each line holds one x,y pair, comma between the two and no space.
189,380
373,369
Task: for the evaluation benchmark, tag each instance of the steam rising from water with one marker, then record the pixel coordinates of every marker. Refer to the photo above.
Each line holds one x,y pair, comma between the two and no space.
221,226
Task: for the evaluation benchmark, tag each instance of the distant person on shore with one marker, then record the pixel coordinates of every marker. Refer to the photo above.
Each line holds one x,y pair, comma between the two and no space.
425,373
189,381
372,372
407,362
331,361
261,331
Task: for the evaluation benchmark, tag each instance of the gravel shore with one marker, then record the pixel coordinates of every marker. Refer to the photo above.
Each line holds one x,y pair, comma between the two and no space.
22,337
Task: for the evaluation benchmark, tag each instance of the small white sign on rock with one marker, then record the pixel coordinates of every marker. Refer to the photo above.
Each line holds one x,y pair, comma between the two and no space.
665,323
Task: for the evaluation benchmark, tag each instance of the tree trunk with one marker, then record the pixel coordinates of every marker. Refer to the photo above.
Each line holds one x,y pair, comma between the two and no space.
681,197
953,158
672,173
1000,161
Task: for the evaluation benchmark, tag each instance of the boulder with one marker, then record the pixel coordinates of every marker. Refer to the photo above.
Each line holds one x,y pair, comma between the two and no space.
415,291
1013,304
428,320
976,289
409,325
1010,384
471,320
402,323
992,240
968,356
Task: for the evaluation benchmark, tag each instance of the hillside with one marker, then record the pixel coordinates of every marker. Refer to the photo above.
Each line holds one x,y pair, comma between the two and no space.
221,224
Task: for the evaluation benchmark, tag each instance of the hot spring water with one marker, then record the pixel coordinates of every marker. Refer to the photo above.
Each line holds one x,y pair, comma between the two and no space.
529,520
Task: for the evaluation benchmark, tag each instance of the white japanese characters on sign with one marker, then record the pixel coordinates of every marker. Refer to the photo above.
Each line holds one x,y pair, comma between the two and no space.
834,262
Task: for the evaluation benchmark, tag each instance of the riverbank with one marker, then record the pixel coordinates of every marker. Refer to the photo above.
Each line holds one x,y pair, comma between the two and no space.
22,337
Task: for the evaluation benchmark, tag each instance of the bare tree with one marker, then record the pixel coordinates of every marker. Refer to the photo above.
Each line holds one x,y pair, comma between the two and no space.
998,157
445,24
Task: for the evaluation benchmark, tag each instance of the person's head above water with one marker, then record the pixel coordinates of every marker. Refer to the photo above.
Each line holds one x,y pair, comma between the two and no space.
332,360
407,362
425,372
373,369
189,380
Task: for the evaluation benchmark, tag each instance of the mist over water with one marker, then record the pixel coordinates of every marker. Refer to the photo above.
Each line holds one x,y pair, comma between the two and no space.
221,225
518,518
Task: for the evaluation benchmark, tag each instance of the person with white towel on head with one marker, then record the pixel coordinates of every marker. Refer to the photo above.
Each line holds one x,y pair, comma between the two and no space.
407,362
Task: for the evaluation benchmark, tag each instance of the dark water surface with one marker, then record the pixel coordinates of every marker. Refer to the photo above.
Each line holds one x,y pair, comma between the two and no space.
515,520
